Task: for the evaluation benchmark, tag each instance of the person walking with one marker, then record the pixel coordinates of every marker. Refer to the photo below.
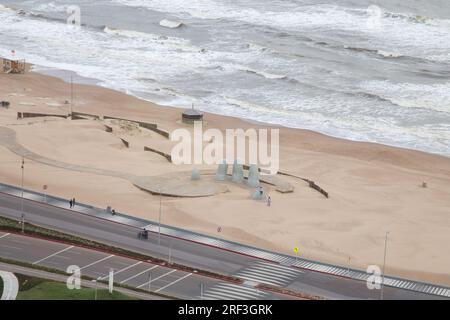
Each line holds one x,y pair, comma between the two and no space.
70,203
73,202
269,201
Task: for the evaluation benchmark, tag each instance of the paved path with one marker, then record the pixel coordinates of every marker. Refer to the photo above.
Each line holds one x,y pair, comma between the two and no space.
175,184
8,140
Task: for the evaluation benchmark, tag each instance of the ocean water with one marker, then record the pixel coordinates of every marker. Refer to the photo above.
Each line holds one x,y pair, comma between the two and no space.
375,71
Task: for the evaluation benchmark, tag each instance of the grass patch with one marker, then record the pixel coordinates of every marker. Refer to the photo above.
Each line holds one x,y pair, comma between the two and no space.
32,288
56,271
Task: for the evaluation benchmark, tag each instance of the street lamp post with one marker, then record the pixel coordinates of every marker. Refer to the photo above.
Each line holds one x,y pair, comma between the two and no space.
23,169
348,269
201,291
21,202
71,96
150,281
384,265
159,219
23,222
95,289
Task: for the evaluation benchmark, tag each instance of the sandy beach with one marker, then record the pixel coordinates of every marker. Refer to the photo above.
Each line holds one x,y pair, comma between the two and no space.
373,188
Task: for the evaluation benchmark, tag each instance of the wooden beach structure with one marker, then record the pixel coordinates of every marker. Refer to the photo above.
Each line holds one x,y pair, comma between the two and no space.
15,66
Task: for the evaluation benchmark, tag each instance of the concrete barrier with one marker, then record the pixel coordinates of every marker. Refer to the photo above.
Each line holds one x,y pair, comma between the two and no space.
84,115
165,155
108,128
77,117
125,142
311,184
23,115
150,126
164,133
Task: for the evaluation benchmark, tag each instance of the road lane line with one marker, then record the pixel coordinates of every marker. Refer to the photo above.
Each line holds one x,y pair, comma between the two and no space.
149,269
148,282
91,264
11,247
124,269
182,278
5,235
52,255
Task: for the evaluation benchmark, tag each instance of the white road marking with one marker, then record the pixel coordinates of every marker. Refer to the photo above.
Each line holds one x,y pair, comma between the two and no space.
91,264
5,235
248,275
269,273
148,282
272,273
20,241
149,269
11,247
227,291
279,268
240,290
124,269
182,278
52,255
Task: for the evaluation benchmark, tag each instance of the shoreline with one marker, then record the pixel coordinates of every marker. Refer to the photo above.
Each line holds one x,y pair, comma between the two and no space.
64,75
373,187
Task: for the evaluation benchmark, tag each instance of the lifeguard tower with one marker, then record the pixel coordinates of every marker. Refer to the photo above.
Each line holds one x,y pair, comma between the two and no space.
12,65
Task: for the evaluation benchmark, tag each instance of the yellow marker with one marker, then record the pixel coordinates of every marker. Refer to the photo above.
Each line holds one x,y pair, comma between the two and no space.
296,249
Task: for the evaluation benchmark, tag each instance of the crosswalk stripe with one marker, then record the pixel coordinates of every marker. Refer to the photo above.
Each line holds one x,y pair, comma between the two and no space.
279,268
239,290
208,297
234,292
274,270
231,295
257,279
308,265
217,297
269,274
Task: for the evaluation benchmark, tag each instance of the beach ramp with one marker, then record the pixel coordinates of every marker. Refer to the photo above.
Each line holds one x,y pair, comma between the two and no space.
10,285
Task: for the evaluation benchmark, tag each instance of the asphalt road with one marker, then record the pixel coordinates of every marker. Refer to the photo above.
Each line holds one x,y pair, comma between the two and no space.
196,255
130,272
84,283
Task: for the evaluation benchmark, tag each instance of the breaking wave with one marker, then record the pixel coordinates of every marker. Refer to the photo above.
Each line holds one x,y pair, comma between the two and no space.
170,24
